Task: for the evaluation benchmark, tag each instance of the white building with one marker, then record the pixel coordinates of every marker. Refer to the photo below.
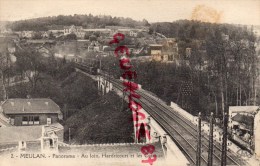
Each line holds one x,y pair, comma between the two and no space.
77,30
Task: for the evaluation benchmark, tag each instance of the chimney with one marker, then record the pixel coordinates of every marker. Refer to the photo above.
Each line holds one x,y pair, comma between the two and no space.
29,103
47,103
12,103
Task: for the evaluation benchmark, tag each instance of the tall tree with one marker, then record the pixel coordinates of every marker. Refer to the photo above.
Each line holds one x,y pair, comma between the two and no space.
31,63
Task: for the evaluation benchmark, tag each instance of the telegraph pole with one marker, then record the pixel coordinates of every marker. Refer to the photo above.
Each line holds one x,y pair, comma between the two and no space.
224,141
210,153
69,135
198,157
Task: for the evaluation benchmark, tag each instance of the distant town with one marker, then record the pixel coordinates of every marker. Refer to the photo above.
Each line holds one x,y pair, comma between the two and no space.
59,85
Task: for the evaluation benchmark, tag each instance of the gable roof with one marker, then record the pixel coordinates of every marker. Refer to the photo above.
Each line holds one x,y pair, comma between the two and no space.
13,134
20,133
25,106
248,121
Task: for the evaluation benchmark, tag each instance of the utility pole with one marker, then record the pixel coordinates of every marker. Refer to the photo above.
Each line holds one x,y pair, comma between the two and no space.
198,157
69,135
100,65
224,141
210,152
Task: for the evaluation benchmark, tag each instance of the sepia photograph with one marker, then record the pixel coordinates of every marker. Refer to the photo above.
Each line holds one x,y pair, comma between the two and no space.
130,82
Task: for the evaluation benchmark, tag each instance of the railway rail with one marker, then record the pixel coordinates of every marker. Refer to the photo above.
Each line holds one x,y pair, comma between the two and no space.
182,131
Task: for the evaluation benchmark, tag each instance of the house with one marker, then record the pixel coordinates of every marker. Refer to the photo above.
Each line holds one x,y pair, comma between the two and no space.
166,51
242,117
31,139
26,112
170,49
44,51
77,30
156,51
244,125
27,34
45,34
133,34
103,31
94,46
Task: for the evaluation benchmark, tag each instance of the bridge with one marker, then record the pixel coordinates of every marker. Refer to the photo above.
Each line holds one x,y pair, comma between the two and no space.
174,128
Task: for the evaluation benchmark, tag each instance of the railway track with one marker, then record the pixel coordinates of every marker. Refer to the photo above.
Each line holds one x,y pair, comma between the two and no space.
183,143
192,130
183,132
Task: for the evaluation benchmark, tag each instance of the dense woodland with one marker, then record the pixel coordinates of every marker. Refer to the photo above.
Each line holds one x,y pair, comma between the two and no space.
86,21
222,67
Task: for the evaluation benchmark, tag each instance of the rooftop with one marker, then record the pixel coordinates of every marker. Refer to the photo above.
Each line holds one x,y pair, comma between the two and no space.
15,134
155,45
23,106
248,121
18,133
246,109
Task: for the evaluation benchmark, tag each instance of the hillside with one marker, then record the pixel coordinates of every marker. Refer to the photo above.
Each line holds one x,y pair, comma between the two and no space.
187,30
103,121
87,21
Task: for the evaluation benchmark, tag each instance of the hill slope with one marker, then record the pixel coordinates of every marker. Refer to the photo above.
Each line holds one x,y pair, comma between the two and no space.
103,121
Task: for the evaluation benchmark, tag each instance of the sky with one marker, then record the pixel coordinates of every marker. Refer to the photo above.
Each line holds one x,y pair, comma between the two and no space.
220,11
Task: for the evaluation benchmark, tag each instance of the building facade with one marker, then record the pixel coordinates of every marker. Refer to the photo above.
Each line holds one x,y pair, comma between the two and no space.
28,112
77,30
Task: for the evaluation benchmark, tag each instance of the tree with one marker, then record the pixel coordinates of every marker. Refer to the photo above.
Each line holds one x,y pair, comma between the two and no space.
5,63
51,36
71,36
3,68
93,38
31,63
145,22
37,35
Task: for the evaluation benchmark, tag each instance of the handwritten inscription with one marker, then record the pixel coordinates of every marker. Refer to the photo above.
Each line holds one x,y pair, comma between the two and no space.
122,52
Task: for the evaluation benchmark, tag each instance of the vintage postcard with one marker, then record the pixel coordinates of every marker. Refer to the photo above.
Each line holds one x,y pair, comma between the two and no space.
129,82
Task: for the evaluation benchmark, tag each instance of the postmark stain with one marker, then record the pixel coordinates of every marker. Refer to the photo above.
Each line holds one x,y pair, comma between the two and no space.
206,14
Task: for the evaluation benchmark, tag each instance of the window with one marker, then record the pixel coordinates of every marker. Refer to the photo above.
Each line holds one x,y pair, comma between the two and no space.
30,120
48,121
36,120
12,121
25,120
51,143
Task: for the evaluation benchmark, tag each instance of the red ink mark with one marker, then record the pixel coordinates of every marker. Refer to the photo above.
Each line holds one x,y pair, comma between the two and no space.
134,106
121,49
129,74
140,114
131,87
146,150
116,36
125,64
150,160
